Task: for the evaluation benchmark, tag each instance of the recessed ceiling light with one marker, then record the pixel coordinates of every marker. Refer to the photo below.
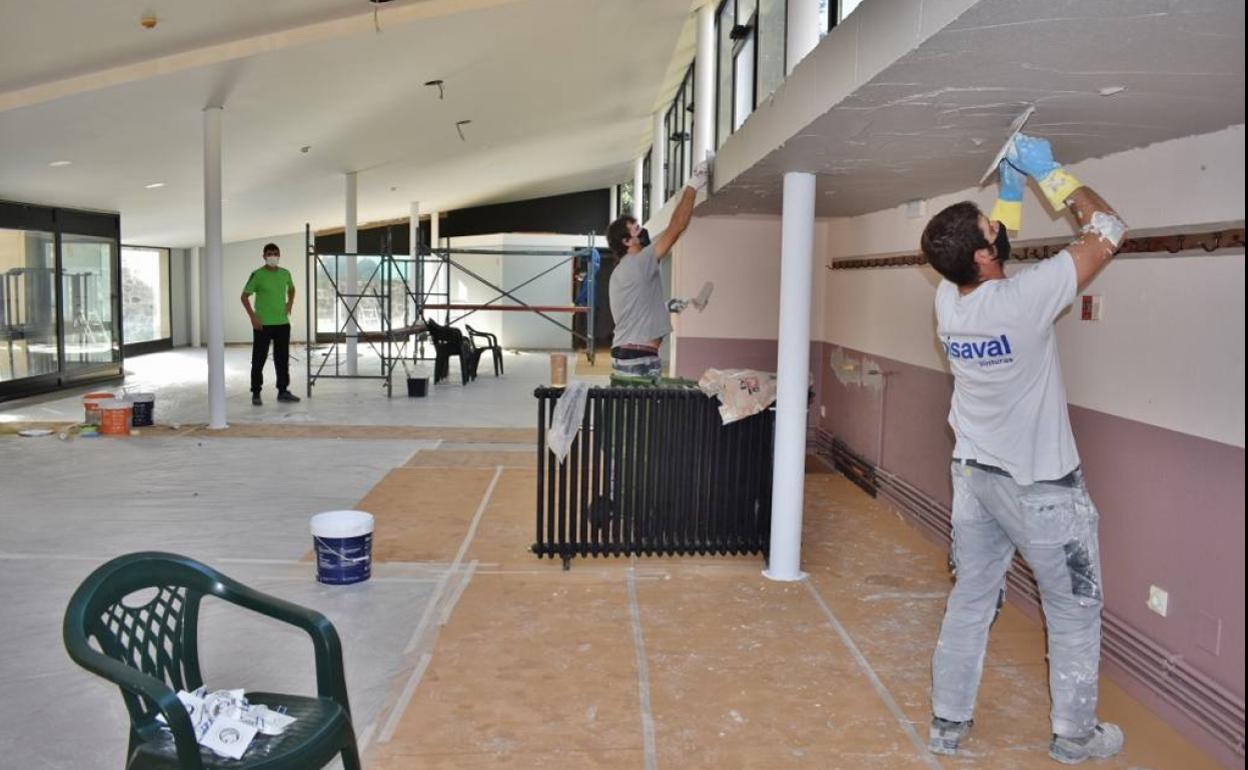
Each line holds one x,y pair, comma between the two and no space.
154,185
60,163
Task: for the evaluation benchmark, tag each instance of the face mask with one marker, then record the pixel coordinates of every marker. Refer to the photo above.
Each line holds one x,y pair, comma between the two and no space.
271,261
1002,243
644,237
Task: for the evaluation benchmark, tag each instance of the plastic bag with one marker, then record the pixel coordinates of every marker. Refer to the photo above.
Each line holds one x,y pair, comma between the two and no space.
566,421
742,392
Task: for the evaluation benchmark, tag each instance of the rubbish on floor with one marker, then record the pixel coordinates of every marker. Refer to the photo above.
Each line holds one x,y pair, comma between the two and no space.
741,392
566,421
34,432
226,723
558,370
344,546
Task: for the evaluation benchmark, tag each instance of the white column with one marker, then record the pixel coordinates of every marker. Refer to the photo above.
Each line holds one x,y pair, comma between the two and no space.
213,267
434,234
797,233
350,284
196,281
802,31
704,86
639,186
658,159
613,207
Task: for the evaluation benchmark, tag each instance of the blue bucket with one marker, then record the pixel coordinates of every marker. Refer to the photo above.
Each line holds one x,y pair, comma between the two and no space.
344,546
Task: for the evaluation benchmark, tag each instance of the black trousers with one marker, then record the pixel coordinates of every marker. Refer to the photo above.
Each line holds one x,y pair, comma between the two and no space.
260,339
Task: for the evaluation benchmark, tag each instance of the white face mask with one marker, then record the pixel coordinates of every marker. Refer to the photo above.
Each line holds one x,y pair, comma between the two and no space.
271,261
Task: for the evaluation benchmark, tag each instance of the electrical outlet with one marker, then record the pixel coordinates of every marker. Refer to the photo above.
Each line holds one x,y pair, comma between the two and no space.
1091,307
1158,600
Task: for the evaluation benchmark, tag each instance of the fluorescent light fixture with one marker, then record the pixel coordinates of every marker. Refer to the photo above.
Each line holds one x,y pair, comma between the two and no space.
60,163
154,185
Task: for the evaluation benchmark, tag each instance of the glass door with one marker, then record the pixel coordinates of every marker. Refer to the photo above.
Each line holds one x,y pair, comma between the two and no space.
28,328
145,300
88,281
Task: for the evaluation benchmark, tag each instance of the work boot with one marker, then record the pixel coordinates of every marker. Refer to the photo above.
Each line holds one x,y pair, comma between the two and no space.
1103,742
944,736
288,397
255,400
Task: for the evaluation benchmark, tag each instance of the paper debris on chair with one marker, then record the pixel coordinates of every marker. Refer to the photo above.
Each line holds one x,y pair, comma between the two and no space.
226,723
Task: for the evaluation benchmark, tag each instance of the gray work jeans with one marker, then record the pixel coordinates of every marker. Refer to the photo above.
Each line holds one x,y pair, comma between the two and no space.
1053,525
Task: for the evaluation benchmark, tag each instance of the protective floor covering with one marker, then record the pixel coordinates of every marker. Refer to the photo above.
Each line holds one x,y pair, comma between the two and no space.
704,663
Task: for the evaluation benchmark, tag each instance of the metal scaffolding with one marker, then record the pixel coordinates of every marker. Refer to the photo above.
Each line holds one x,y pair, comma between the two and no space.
387,310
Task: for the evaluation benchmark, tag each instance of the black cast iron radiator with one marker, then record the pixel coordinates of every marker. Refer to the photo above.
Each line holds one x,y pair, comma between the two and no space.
654,471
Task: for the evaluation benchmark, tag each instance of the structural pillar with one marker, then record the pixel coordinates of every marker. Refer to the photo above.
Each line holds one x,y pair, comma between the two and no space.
802,31
639,186
351,281
613,207
704,86
213,268
434,234
797,234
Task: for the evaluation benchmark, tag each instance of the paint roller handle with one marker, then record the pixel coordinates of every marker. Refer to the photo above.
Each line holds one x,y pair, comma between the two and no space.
1034,157
1009,206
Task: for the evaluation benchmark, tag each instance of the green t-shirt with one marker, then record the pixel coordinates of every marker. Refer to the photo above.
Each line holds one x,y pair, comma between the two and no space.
270,288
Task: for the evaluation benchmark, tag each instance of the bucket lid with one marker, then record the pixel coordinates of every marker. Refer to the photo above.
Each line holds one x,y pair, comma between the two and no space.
141,397
115,403
340,524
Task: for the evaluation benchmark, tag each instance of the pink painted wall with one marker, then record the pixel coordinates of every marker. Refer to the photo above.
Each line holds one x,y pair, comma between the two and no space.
1172,511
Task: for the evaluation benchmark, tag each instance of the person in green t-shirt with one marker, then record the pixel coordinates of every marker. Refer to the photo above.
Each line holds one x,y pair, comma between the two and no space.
270,321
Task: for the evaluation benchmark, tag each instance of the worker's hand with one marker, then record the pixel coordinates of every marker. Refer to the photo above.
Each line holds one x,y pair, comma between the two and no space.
699,176
289,306
1009,207
255,323
1034,157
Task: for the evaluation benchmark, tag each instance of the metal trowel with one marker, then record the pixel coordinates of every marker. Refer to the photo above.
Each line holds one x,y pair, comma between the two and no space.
1015,127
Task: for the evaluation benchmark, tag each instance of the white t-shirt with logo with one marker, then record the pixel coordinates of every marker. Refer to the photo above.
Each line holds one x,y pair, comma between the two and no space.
1009,402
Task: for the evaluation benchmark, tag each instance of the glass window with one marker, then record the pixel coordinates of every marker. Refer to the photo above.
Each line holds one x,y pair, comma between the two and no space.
648,190
28,329
678,125
847,7
87,281
770,37
743,89
145,312
827,19
723,100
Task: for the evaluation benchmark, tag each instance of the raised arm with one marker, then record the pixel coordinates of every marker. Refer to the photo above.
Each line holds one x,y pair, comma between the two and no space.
683,213
1101,229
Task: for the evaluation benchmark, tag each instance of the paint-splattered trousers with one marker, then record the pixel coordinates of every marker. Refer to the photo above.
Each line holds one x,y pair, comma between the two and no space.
1053,525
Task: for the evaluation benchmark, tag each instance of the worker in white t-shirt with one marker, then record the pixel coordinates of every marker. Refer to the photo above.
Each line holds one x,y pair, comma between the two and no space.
1017,483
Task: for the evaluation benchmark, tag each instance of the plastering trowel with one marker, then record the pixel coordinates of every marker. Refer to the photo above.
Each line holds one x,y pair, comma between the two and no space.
1015,127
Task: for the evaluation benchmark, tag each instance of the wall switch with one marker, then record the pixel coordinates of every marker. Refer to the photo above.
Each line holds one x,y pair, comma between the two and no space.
1090,307
916,209
823,411
1158,600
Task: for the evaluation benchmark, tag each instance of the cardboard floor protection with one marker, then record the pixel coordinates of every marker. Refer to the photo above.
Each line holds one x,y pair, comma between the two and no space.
536,668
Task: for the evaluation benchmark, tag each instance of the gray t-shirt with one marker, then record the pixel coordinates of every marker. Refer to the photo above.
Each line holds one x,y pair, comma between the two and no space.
637,300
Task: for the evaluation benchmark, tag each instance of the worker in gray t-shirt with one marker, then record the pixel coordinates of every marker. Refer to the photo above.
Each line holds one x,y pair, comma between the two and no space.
638,301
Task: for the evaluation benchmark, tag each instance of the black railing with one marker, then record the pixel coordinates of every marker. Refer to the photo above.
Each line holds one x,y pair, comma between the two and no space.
654,471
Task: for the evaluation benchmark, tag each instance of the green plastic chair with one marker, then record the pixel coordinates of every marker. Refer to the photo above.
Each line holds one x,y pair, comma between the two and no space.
151,651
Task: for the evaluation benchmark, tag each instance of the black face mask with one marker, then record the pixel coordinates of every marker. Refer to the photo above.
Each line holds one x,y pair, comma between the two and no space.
644,237
1002,243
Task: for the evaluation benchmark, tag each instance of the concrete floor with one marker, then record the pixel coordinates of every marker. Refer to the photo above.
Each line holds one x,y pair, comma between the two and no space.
465,651
179,380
